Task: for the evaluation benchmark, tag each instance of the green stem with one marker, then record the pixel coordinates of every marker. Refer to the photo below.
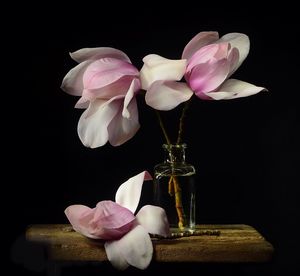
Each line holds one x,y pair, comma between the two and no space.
161,124
181,121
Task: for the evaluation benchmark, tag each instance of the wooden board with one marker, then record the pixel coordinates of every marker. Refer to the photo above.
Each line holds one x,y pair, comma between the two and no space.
236,243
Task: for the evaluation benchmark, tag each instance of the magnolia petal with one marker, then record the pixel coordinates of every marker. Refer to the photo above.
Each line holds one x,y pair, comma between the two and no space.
129,193
206,77
93,123
76,215
239,41
134,86
159,68
233,88
73,81
110,220
114,255
122,129
105,71
97,53
82,103
166,95
198,41
135,248
203,55
154,220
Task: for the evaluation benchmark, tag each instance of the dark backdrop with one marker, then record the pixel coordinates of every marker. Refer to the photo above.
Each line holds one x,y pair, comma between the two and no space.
245,151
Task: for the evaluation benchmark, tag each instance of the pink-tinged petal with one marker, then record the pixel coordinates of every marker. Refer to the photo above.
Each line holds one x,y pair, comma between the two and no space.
210,53
239,41
135,248
98,53
105,71
233,88
120,87
73,81
82,103
129,193
115,256
159,68
93,123
154,220
166,95
75,214
198,41
122,129
110,221
134,86
208,76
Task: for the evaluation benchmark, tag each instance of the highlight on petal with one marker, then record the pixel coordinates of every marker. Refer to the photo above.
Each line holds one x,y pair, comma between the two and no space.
154,220
73,81
239,41
135,248
166,95
98,53
93,123
129,193
233,88
159,68
198,41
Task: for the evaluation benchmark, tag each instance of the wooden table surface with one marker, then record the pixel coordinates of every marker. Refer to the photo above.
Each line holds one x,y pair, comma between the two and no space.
235,243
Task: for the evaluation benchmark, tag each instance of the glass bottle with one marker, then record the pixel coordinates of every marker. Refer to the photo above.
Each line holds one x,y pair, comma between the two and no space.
174,188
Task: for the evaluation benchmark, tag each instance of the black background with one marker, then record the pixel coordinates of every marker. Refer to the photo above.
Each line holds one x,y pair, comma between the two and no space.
245,151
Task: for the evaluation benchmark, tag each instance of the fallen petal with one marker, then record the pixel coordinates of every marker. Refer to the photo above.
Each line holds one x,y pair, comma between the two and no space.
166,95
154,220
77,214
110,220
233,88
114,255
129,193
135,248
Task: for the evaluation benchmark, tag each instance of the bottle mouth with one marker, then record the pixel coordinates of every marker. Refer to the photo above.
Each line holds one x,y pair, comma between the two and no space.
174,146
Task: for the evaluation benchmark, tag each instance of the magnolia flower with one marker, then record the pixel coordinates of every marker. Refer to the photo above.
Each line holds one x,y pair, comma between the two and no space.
107,83
207,64
127,239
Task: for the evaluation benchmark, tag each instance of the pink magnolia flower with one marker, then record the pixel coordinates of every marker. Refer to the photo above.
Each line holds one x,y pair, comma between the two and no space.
107,83
207,64
127,239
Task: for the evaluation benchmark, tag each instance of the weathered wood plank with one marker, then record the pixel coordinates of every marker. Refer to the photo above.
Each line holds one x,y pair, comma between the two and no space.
235,244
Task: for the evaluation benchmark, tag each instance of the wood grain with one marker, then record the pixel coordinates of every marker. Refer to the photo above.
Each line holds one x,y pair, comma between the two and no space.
236,243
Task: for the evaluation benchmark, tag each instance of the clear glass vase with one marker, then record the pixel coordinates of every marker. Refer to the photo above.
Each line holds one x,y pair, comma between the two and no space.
174,188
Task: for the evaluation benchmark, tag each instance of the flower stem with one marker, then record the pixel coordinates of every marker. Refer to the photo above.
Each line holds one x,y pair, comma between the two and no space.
161,124
181,121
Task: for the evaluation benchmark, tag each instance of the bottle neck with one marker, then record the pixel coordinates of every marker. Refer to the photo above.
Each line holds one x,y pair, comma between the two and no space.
174,153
